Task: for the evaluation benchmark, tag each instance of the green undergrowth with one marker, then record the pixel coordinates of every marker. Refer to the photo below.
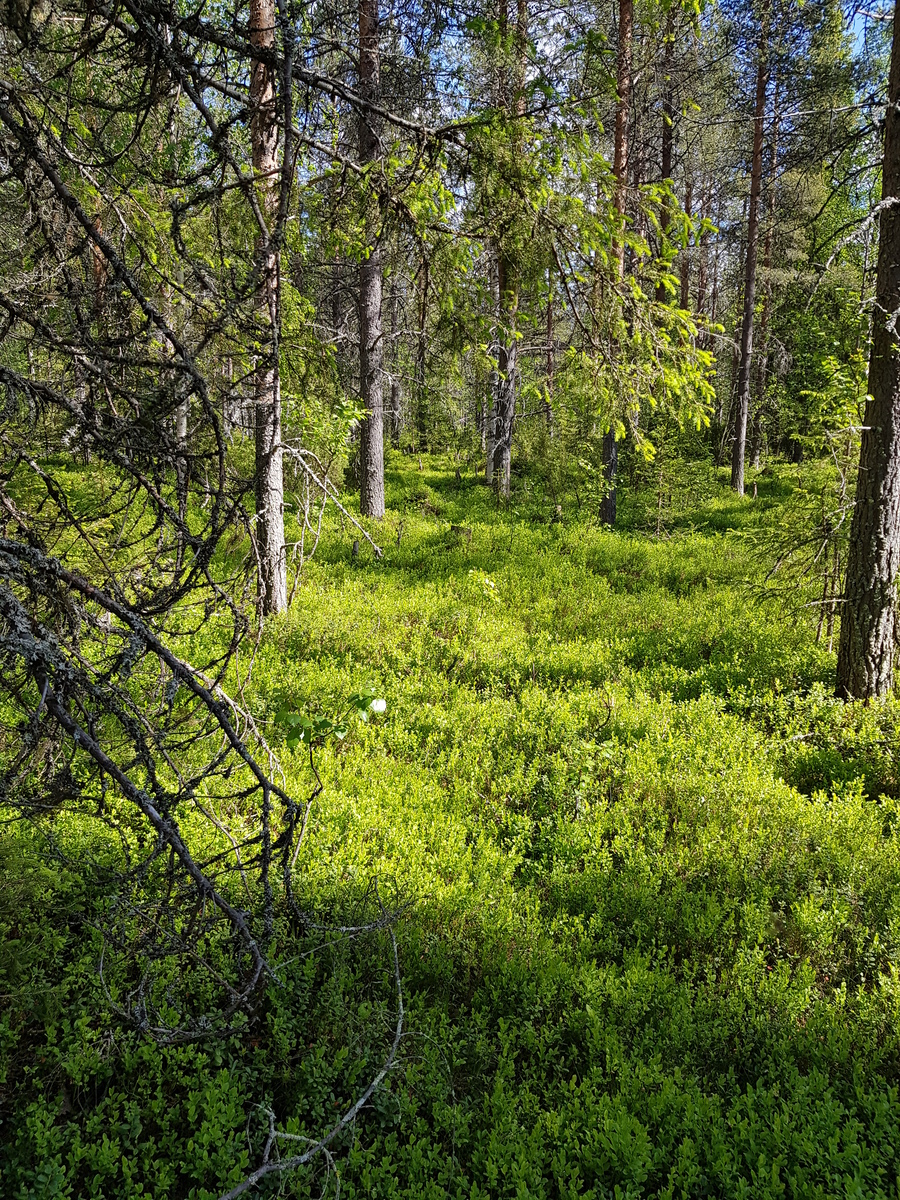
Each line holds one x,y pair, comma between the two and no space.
648,871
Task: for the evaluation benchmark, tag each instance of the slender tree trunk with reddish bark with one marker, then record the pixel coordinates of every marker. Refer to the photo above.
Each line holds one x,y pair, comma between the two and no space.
266,378
865,667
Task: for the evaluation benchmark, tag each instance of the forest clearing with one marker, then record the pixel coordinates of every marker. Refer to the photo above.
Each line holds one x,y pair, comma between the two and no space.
645,869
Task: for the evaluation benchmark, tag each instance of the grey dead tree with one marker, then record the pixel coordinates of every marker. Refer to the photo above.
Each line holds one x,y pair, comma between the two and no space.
269,481
371,329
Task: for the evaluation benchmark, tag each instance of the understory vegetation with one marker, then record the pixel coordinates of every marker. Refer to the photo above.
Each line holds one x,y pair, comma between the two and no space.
645,865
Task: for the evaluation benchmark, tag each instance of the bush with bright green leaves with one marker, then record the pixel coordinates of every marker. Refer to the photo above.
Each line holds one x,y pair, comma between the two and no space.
648,872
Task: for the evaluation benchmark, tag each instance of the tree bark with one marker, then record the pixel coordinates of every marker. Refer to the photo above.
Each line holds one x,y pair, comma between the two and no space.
762,366
685,297
610,470
637,152
341,311
865,667
507,365
738,449
182,462
620,144
714,294
371,333
183,407
668,140
490,424
272,597
396,387
703,251
422,357
551,357
508,278
610,452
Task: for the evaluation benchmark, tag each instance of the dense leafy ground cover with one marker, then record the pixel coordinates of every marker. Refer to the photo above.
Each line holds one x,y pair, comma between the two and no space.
653,935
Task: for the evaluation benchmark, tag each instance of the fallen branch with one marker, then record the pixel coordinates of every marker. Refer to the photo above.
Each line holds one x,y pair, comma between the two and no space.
321,1147
324,485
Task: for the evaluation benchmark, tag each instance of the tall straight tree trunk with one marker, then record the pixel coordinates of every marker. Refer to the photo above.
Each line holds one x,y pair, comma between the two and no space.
667,140
371,333
551,357
742,410
507,364
489,430
340,312
865,666
714,294
637,153
610,471
421,358
232,415
727,424
266,381
490,423
703,250
620,143
508,273
717,423
686,252
396,389
762,366
620,175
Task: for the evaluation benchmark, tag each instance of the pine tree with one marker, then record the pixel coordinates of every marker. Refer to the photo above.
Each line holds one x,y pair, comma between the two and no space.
865,668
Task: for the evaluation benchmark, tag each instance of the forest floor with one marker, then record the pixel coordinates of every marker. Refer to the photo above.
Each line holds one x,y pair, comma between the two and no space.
649,871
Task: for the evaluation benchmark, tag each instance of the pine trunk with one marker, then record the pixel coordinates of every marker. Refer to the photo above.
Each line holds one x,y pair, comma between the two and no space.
865,667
